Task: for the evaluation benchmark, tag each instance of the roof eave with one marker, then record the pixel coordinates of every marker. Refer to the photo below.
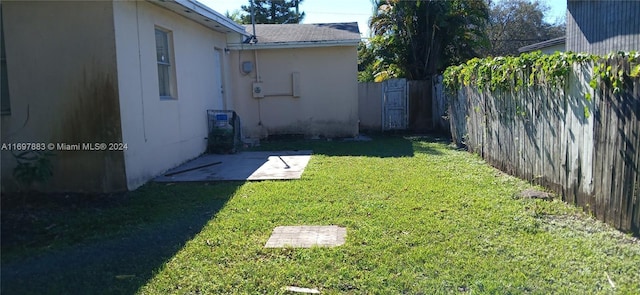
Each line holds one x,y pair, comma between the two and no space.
304,44
207,16
543,44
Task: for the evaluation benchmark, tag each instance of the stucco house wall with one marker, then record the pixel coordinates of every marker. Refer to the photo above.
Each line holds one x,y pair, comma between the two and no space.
553,49
63,83
327,105
547,47
307,76
86,72
163,133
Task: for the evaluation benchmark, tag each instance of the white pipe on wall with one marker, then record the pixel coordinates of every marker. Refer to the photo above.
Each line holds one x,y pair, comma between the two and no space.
258,78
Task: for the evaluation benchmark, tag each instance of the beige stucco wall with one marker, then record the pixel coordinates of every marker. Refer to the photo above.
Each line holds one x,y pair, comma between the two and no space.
162,134
63,89
328,102
553,49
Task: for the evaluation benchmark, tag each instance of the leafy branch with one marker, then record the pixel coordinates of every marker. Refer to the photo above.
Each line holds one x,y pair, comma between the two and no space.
33,166
612,73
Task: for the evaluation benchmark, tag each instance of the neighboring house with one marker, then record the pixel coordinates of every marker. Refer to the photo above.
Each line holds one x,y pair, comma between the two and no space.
302,79
547,47
143,73
602,27
597,27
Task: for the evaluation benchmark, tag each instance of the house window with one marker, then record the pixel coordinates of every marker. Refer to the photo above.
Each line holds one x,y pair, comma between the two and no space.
4,82
166,71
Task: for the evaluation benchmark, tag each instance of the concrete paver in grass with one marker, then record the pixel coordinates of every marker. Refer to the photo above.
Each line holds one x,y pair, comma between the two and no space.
306,236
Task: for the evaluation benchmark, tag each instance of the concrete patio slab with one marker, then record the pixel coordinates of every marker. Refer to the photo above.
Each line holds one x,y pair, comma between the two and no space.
240,166
306,236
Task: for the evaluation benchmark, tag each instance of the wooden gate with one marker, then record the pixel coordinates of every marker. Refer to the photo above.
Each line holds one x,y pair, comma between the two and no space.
395,105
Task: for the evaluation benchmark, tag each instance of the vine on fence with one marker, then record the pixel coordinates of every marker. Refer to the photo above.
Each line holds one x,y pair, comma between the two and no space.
535,68
617,78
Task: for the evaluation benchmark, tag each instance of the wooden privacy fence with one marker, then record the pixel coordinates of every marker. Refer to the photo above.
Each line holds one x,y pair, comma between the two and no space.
586,151
370,106
425,107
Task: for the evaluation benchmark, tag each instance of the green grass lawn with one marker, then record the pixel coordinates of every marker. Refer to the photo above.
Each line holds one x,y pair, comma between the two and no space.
421,218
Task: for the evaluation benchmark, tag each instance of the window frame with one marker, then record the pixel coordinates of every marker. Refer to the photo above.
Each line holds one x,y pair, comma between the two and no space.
168,80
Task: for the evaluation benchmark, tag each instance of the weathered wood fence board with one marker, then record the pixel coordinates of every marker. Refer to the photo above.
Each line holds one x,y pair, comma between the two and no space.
427,106
440,106
587,151
420,105
370,106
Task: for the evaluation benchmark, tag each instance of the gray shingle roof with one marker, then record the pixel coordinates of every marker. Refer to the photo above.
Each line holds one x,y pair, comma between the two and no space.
543,44
288,33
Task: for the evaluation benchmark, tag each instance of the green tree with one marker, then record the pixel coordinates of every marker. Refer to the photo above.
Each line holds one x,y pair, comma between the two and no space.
273,12
366,59
517,23
235,16
417,39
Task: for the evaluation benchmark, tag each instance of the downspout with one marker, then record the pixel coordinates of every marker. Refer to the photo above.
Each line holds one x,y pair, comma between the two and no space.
254,40
258,77
144,128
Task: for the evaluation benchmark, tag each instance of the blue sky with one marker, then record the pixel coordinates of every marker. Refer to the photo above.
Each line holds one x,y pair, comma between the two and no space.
329,11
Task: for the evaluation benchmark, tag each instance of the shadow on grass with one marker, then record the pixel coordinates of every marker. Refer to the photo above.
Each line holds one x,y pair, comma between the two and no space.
88,244
110,247
381,146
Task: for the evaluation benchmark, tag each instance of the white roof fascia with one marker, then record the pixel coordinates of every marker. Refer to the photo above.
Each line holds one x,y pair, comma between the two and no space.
304,44
543,44
208,13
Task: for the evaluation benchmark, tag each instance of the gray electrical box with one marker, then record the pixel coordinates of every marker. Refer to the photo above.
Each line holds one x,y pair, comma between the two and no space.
247,67
257,90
